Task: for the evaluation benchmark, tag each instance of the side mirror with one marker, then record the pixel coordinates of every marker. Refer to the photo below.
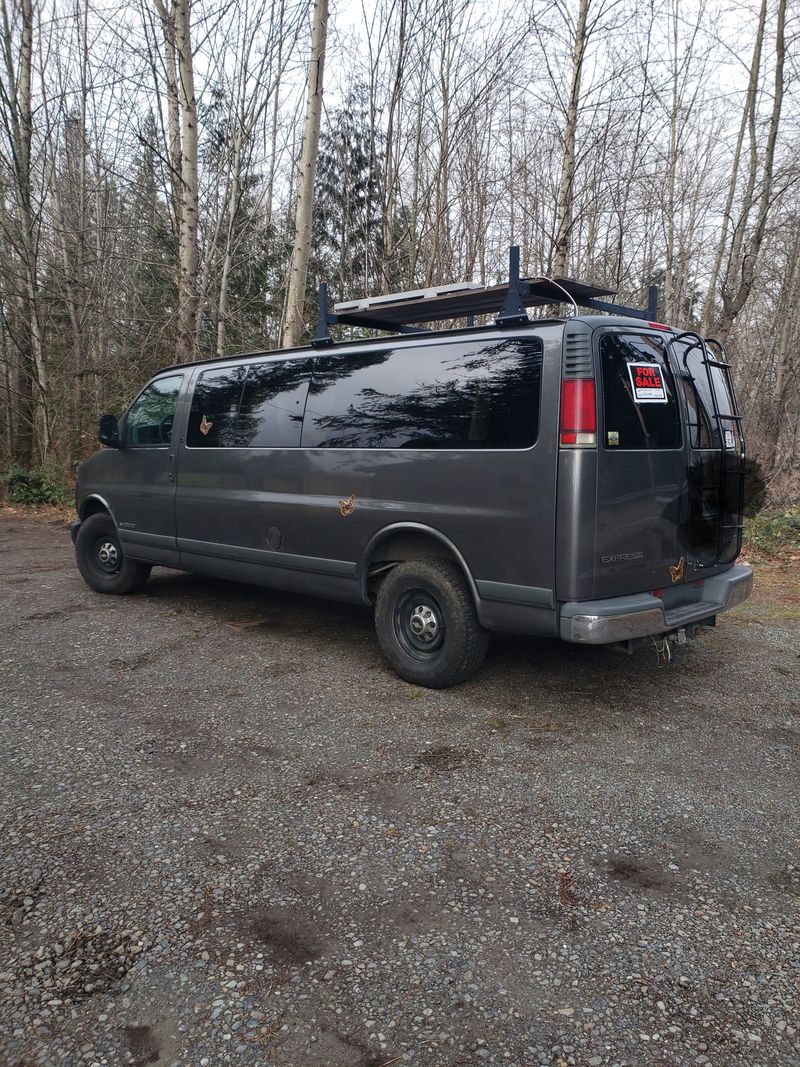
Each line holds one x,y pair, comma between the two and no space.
108,431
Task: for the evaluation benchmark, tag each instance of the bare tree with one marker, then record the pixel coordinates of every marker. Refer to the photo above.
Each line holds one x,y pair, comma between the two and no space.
298,271
17,118
743,256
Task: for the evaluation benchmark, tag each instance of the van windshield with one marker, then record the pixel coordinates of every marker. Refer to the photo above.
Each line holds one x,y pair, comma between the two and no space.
639,405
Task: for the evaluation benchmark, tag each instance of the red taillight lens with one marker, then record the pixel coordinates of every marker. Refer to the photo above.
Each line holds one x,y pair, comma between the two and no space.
578,413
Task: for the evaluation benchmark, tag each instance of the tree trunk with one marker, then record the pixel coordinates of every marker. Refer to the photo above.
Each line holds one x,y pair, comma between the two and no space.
565,186
735,293
20,115
188,297
293,329
173,113
747,110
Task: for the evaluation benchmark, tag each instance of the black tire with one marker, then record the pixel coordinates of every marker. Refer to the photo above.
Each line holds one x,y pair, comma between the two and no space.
426,623
101,561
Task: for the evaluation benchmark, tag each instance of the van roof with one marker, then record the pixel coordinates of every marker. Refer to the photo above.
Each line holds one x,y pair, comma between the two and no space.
593,321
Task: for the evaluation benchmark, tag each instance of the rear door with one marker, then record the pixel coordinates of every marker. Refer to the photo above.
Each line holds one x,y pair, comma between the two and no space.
714,456
641,464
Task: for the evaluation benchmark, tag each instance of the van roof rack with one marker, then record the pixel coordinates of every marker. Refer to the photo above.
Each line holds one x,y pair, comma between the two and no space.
401,312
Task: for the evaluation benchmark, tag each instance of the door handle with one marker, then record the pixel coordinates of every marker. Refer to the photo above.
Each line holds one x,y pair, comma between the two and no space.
171,468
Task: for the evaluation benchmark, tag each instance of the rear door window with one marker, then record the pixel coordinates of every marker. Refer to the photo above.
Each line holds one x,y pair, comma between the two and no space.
215,406
639,404
703,429
470,395
273,401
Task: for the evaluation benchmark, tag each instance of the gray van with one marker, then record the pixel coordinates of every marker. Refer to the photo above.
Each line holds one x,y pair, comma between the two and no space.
575,477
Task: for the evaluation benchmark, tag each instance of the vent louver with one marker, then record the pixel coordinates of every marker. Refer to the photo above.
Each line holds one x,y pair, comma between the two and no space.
577,355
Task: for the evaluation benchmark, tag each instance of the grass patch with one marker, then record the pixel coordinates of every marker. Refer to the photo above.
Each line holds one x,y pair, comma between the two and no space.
773,534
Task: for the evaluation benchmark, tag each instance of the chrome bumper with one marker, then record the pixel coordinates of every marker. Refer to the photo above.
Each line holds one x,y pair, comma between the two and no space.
602,622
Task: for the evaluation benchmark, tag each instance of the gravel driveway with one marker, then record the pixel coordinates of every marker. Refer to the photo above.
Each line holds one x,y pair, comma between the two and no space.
232,836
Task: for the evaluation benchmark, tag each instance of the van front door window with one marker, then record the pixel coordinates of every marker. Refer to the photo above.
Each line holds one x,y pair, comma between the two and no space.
150,417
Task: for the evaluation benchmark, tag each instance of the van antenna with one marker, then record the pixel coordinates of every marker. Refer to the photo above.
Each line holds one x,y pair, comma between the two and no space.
566,293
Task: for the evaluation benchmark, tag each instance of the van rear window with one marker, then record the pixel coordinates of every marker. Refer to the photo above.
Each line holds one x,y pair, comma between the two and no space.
449,396
639,405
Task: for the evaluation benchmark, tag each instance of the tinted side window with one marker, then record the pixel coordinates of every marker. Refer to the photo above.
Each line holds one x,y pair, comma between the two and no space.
639,402
274,397
215,405
150,417
448,396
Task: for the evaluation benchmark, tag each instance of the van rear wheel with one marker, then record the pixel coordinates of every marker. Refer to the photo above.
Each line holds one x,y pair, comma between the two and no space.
101,560
427,626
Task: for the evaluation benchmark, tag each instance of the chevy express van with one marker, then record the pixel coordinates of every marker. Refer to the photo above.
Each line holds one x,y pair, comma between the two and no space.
576,477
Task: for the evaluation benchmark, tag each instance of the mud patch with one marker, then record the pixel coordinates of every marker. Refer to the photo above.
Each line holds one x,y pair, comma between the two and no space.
639,873
291,934
56,613
142,1045
698,853
445,758
786,880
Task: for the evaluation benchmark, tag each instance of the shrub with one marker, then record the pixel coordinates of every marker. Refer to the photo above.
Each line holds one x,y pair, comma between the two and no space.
43,486
774,533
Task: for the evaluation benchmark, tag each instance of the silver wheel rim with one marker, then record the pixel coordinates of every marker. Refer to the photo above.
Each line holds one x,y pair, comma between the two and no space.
424,623
108,556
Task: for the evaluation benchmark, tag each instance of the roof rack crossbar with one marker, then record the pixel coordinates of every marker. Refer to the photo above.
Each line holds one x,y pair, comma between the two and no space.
403,312
649,312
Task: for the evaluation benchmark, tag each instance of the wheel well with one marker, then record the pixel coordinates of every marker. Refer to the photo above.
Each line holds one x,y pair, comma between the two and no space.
401,545
93,506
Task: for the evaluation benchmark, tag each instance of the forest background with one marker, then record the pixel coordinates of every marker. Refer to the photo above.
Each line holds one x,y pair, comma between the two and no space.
151,159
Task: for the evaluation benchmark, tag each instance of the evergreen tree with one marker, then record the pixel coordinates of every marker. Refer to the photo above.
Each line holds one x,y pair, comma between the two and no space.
346,226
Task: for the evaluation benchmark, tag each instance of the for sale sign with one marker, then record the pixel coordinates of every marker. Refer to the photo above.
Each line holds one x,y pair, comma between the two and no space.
647,383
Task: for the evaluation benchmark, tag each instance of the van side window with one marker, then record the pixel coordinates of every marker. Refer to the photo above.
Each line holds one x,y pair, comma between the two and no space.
150,417
273,401
449,396
215,406
639,404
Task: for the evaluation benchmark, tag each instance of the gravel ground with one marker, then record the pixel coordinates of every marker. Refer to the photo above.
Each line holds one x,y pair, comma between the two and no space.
232,836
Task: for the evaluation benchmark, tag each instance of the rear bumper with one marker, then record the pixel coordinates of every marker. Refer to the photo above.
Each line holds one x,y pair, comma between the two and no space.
602,622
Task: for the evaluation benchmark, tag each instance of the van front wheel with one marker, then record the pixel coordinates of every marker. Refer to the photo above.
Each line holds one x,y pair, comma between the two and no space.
427,626
101,560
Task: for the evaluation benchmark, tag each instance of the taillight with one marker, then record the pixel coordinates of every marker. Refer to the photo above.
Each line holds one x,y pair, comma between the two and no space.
659,326
578,427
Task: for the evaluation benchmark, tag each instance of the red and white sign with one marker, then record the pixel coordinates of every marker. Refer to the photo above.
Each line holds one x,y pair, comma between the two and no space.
647,383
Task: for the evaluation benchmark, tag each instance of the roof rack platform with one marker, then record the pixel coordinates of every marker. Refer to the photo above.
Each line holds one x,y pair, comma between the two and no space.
401,312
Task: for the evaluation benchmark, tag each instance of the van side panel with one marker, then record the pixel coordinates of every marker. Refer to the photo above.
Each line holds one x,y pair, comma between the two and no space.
301,518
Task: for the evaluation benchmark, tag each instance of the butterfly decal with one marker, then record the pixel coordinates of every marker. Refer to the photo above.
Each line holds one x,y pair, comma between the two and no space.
347,507
678,571
205,426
